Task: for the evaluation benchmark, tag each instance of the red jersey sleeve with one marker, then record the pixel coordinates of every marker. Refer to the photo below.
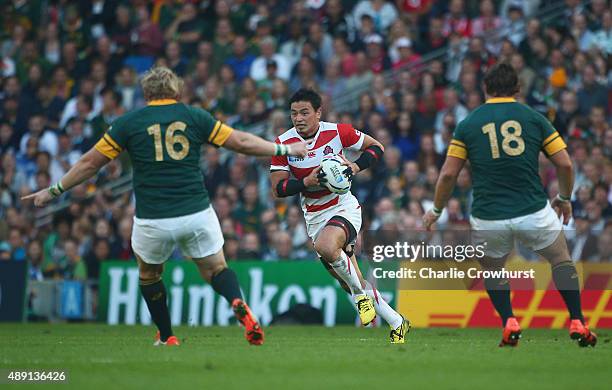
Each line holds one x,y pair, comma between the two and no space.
279,163
350,138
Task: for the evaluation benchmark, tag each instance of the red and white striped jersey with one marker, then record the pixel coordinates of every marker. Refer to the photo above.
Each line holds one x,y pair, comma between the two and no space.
331,138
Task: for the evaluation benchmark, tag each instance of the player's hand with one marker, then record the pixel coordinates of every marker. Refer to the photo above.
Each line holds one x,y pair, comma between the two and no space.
429,219
322,177
352,167
298,149
562,208
41,198
314,178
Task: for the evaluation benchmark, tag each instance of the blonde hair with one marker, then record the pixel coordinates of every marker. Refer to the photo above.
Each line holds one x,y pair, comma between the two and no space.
161,83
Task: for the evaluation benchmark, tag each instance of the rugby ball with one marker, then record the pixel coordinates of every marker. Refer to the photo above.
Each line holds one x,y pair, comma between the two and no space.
337,182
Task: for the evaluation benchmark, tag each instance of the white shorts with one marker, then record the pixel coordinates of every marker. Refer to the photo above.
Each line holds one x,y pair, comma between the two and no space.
536,231
198,235
351,210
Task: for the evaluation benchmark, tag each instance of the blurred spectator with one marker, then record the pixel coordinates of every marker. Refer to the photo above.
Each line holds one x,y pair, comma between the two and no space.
222,44
87,94
306,75
526,75
592,92
75,29
376,55
48,104
47,139
292,47
111,110
407,57
434,37
603,37
34,257
282,249
250,248
54,248
452,106
334,20
382,12
604,247
122,247
174,59
488,22
8,139
514,24
75,268
147,37
127,86
407,137
584,37
268,53
567,112
456,21
248,214
99,253
5,251
321,41
240,61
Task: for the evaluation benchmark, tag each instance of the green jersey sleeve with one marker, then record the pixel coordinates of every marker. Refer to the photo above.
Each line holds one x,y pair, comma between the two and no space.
552,142
114,140
209,129
457,147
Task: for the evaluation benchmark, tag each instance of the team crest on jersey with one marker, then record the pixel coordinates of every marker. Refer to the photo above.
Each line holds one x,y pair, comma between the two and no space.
328,150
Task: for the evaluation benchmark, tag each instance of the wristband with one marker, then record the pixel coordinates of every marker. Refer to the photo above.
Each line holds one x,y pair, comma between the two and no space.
437,212
290,187
370,156
564,198
56,189
281,150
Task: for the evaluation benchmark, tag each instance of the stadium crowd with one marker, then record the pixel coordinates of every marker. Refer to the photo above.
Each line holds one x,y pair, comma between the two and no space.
403,71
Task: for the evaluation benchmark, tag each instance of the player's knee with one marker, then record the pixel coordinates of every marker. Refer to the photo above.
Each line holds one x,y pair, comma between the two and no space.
216,269
327,250
349,250
150,275
209,269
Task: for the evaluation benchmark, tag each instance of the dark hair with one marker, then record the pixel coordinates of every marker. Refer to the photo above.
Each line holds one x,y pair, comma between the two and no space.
501,80
117,97
307,95
87,100
43,153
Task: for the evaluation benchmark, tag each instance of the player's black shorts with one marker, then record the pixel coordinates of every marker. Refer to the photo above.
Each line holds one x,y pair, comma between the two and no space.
349,230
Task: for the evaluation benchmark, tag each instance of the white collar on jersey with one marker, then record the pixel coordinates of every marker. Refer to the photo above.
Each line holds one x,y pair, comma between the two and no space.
311,141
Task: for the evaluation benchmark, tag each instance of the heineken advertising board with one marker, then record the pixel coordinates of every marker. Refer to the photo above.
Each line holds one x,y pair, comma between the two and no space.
269,288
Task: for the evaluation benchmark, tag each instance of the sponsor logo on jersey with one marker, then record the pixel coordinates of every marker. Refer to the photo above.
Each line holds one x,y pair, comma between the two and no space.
328,150
312,154
295,159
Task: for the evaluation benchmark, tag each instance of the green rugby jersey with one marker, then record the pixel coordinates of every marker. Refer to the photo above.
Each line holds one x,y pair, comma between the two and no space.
502,139
163,141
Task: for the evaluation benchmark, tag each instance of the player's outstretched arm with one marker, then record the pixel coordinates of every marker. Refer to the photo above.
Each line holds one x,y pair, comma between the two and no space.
444,187
242,142
565,174
88,165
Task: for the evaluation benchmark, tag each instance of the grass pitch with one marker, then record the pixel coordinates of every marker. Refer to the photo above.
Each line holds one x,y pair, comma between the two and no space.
101,356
